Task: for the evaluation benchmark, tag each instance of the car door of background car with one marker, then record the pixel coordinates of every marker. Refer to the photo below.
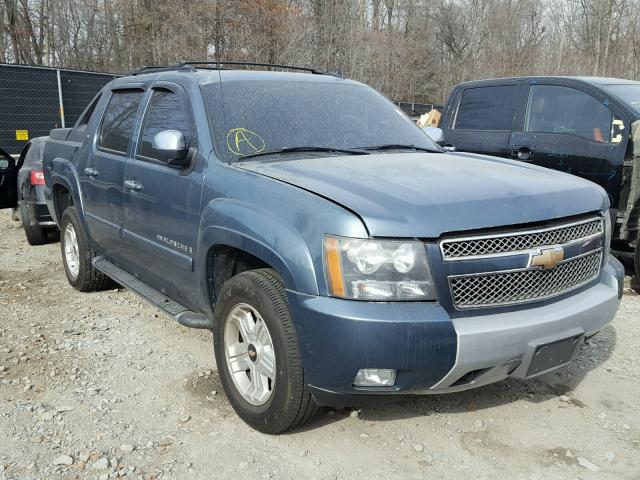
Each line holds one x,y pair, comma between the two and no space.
162,205
568,129
8,181
481,117
101,176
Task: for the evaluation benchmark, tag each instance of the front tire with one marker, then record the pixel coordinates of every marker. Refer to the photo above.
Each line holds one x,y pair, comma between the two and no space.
257,353
35,235
77,255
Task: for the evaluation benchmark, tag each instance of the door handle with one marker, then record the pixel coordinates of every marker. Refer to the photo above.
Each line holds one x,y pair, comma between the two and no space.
132,185
449,148
91,172
523,153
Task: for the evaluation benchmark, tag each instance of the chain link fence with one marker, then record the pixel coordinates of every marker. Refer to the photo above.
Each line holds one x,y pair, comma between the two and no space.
33,100
415,110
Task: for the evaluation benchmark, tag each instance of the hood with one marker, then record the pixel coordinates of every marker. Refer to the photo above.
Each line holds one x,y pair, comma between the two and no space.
427,194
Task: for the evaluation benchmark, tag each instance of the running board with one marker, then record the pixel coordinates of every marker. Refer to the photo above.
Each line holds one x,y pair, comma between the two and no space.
182,314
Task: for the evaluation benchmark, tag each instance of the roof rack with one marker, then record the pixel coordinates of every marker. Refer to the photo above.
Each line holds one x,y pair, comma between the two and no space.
160,68
251,64
190,66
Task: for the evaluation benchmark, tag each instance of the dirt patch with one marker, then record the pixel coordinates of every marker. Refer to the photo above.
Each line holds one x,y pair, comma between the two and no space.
94,386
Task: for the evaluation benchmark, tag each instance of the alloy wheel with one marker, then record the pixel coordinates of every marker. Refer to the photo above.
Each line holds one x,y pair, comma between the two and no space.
249,354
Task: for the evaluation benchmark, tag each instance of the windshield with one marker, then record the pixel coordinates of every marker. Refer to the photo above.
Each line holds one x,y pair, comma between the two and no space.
286,117
629,94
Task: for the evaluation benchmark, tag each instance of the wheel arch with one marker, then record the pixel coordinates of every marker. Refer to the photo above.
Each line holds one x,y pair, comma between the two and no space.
62,197
225,262
63,181
257,238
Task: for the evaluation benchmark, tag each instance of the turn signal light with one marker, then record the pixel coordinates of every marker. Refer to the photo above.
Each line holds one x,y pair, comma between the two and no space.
37,177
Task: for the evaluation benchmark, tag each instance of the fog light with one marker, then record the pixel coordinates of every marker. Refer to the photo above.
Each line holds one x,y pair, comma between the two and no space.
375,377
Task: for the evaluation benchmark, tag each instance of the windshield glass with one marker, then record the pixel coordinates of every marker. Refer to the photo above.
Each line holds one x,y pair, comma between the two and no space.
264,116
629,93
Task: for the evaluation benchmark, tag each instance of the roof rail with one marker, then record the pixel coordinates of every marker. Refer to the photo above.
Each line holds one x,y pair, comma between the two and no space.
161,68
222,63
190,66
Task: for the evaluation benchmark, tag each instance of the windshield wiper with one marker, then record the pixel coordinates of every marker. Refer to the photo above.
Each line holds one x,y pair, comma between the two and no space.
399,146
350,151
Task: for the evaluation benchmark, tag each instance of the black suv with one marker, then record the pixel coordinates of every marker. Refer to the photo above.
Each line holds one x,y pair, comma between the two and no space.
585,126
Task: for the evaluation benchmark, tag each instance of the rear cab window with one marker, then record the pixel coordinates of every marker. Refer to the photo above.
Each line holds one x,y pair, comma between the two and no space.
83,121
116,130
487,108
565,110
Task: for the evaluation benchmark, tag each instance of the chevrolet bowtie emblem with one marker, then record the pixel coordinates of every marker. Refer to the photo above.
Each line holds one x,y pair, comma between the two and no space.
546,258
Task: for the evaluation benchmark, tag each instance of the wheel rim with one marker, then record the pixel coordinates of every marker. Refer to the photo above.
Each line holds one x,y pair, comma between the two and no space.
71,255
249,353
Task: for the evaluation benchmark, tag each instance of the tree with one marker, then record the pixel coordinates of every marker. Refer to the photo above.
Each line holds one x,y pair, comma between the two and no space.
409,49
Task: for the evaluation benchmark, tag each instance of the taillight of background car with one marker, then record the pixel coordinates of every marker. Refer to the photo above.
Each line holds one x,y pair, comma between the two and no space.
37,177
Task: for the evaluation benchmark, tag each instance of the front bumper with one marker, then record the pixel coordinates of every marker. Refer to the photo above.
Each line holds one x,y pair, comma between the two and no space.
431,351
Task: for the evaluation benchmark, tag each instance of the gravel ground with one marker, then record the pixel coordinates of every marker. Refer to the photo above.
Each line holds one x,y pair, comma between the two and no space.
103,385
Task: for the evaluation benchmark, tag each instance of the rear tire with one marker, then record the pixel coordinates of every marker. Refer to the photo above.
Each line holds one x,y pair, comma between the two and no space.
35,235
635,280
77,255
285,402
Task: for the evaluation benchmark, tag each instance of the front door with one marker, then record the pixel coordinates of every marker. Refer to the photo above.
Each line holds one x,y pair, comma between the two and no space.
102,174
8,181
569,130
484,119
162,202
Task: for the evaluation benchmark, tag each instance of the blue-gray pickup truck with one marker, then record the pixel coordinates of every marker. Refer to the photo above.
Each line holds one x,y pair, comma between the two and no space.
337,254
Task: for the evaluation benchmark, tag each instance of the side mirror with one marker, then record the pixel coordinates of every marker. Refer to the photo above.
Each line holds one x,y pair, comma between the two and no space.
617,131
436,134
4,164
170,146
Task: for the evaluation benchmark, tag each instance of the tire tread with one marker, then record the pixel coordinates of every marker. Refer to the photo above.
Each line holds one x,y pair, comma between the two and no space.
301,406
90,279
35,235
272,284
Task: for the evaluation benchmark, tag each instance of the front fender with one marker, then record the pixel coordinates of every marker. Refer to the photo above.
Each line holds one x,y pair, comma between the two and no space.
261,233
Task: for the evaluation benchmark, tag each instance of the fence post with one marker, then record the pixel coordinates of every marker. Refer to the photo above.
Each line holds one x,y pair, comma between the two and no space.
60,98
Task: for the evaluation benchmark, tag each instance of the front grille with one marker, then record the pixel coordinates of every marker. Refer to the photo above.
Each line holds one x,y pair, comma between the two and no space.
521,286
487,245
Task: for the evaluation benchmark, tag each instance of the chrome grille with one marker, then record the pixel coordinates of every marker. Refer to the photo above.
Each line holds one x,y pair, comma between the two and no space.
521,286
489,245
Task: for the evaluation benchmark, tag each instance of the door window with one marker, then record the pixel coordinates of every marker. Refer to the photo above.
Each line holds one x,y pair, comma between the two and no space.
166,111
556,109
487,108
117,125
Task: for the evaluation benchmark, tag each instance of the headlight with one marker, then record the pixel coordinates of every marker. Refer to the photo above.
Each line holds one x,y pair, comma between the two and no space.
608,233
381,270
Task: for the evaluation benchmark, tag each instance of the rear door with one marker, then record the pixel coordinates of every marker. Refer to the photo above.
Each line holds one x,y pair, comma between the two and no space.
574,131
482,117
8,181
102,174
